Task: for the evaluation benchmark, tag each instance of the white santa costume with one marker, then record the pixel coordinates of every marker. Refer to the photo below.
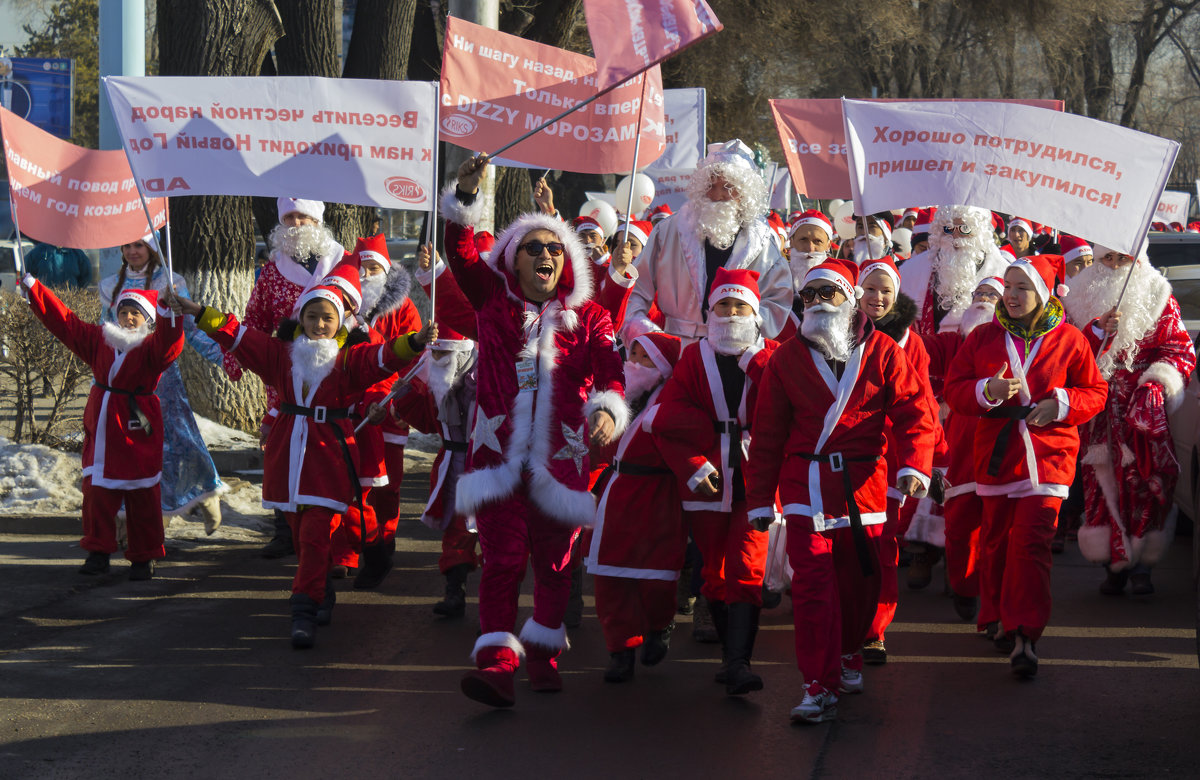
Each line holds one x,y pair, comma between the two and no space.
1130,466
677,265
543,370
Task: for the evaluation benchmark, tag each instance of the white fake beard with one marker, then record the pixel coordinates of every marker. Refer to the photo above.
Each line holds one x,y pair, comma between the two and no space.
302,241
719,221
1095,290
868,248
443,373
800,263
732,335
312,360
957,265
828,328
976,314
640,380
125,339
372,291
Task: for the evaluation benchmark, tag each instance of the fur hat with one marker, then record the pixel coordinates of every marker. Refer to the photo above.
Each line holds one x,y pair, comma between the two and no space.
309,208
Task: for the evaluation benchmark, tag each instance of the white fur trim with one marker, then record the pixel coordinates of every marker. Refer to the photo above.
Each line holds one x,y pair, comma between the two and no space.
570,319
498,639
1149,549
612,402
1170,379
1100,459
534,633
454,210
1094,542
504,252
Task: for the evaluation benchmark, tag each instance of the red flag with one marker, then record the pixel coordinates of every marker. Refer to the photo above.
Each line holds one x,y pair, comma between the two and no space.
629,36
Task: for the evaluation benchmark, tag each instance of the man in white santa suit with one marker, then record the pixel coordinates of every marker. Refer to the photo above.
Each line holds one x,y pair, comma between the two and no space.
1130,470
722,225
818,440
548,380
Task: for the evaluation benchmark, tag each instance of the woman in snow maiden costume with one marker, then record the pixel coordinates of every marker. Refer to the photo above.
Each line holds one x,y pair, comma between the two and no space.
189,478
549,378
1032,379
122,422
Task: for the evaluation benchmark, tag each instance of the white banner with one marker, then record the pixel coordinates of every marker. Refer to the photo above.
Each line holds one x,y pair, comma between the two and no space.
684,117
1173,206
358,141
779,183
1087,177
670,187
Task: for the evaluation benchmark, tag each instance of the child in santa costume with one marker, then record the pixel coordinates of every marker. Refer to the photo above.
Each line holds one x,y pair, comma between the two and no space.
824,403
309,468
638,543
702,428
549,379
1032,379
122,422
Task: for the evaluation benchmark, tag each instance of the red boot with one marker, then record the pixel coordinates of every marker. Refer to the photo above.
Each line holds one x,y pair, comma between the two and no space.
492,682
542,665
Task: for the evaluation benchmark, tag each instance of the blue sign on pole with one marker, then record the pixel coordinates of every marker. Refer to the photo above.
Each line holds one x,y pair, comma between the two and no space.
41,90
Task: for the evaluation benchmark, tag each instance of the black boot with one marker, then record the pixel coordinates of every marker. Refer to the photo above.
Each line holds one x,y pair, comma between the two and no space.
720,618
620,667
281,544
455,603
375,564
304,621
656,644
574,615
96,563
739,645
325,608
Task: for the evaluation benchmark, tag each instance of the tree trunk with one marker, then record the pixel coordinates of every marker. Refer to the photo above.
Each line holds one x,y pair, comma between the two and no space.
213,236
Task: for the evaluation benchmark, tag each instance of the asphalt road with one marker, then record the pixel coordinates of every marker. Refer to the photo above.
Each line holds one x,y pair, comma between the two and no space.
191,675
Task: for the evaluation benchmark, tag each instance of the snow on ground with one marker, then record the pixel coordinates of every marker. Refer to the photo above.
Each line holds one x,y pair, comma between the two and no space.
218,437
38,480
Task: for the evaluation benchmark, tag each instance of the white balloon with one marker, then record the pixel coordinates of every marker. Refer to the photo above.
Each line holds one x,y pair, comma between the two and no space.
603,213
843,220
834,205
643,193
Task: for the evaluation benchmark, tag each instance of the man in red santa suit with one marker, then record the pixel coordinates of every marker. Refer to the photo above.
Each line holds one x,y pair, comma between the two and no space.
1130,467
809,238
824,401
637,546
1031,379
549,379
722,225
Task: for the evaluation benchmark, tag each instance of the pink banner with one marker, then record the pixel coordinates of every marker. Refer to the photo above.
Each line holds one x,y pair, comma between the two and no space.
66,195
629,36
497,87
814,142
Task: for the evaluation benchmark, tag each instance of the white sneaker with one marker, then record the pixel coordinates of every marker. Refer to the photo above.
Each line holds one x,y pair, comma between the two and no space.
852,681
819,705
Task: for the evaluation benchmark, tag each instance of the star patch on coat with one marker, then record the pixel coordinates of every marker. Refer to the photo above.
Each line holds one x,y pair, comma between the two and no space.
575,449
484,434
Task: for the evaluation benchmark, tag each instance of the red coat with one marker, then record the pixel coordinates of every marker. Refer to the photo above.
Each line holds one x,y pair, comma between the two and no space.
959,428
383,328
116,455
1038,460
304,463
804,408
639,532
682,421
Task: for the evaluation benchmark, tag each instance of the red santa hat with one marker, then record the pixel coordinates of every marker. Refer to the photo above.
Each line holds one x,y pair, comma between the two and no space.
639,229
924,221
884,221
1022,223
776,223
346,278
887,265
663,349
1047,272
997,223
812,217
914,213
1006,253
373,248
450,340
1193,227
659,213
587,223
995,282
146,302
841,272
321,292
739,283
1160,227
1177,227
309,208
1073,247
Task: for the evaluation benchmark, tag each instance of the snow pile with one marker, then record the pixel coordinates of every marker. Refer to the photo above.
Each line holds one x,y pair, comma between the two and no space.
423,442
242,517
38,480
218,437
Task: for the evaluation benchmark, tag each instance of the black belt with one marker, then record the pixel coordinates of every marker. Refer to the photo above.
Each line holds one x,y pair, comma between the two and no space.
318,413
734,429
454,446
837,462
134,409
1011,415
638,470
321,414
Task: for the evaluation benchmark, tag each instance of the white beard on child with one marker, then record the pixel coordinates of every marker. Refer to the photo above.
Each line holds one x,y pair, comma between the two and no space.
640,379
125,339
312,360
372,291
732,335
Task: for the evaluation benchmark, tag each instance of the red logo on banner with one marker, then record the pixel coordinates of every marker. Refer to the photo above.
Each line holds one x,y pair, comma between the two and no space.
405,189
457,126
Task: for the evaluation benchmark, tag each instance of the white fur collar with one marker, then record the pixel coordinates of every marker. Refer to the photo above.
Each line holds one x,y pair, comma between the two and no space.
125,339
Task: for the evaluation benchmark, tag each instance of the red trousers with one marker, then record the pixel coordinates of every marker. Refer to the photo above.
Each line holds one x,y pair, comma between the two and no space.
385,501
735,555
1014,561
898,520
312,530
512,532
458,546
833,602
143,521
964,517
628,609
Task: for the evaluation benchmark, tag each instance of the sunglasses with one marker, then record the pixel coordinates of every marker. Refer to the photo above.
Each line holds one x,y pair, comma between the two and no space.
825,292
535,248
963,229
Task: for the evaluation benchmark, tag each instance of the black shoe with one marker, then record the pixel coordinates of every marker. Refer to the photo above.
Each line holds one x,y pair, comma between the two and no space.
718,615
574,615
739,644
96,563
874,653
1114,582
304,621
454,605
140,571
278,547
620,667
1005,643
376,563
991,631
1024,664
1140,584
771,599
967,607
655,646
